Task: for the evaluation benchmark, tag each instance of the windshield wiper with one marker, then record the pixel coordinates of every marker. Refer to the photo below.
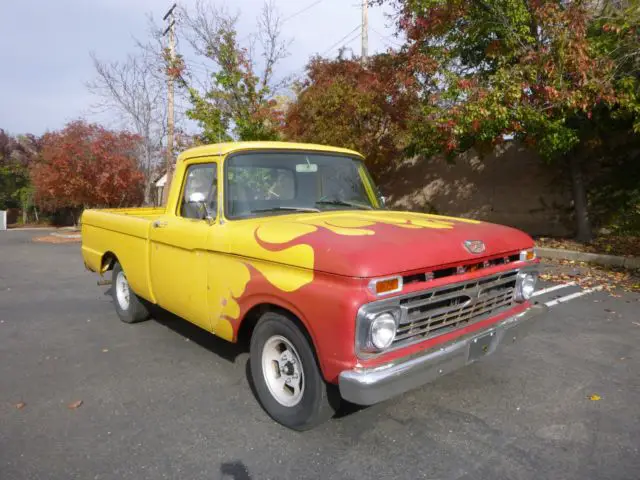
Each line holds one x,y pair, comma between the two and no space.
291,209
344,204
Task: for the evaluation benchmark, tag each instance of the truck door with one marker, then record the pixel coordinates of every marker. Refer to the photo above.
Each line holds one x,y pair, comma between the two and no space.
179,242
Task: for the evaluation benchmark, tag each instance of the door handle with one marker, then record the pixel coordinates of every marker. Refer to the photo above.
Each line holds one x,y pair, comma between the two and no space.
159,224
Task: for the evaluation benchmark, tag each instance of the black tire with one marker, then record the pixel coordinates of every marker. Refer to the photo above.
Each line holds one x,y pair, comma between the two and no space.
133,312
319,400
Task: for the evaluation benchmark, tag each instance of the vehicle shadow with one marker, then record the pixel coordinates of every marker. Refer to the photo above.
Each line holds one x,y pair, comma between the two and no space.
226,350
230,352
235,470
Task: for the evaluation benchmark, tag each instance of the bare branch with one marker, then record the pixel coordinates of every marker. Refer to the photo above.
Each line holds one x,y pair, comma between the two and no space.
206,26
269,35
240,89
134,91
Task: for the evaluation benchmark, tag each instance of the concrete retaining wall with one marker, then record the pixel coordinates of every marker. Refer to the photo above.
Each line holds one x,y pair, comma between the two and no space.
511,186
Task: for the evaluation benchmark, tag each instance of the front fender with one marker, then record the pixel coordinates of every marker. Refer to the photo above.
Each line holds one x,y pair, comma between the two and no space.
327,308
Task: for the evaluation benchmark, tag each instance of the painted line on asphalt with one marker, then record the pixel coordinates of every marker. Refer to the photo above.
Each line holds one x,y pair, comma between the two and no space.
567,298
551,289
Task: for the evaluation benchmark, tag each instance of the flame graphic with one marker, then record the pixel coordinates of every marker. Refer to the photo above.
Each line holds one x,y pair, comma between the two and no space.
275,239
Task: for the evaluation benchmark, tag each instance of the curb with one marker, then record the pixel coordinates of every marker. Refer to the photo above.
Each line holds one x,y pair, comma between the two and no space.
62,235
600,259
30,229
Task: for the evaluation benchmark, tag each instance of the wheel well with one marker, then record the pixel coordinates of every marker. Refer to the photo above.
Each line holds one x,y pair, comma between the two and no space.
109,259
251,318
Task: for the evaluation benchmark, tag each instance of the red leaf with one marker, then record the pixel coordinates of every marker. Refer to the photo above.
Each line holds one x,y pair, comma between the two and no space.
74,405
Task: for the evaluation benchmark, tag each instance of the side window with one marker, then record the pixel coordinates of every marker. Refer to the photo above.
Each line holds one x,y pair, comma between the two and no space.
200,194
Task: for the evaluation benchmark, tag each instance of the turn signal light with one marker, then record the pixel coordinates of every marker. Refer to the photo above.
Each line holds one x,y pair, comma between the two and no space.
384,286
527,255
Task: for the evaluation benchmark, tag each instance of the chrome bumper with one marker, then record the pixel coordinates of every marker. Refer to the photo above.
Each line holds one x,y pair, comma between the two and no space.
369,386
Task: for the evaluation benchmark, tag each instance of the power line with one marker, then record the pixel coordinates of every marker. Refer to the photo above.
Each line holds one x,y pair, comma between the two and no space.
300,12
286,19
203,69
340,41
344,41
390,41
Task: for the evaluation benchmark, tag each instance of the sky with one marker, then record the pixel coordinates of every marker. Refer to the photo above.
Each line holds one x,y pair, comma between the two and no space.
45,61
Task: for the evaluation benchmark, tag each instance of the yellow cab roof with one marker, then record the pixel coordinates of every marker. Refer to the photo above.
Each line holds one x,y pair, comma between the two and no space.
230,147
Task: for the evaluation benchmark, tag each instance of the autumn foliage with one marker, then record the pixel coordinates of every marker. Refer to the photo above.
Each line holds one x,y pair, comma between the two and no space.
520,68
85,165
365,108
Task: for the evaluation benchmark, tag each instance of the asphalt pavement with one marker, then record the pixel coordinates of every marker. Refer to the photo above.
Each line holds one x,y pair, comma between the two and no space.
163,399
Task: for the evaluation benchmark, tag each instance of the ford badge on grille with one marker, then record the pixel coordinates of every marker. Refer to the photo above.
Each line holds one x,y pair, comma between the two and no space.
474,246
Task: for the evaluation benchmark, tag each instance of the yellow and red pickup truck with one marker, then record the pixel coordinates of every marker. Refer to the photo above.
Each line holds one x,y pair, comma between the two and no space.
290,247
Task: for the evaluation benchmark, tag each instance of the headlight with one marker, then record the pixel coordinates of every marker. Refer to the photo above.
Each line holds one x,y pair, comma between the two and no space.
382,331
525,286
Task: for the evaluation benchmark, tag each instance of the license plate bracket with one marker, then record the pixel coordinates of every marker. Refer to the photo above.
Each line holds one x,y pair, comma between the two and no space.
481,346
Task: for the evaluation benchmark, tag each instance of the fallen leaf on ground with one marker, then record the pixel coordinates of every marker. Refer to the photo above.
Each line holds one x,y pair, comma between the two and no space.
595,397
74,405
606,278
52,239
20,405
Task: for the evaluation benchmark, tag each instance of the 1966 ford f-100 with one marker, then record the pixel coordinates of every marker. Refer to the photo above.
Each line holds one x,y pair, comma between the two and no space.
289,246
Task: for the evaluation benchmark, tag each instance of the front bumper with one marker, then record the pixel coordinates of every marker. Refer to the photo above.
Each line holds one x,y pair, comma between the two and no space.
369,386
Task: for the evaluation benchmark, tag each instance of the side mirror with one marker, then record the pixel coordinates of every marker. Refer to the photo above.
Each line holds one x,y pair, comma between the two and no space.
200,199
197,197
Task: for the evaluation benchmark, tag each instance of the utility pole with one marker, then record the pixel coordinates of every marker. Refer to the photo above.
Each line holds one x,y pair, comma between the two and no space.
171,30
365,31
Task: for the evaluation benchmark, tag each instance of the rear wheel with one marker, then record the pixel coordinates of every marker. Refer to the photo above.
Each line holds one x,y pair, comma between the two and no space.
286,376
129,306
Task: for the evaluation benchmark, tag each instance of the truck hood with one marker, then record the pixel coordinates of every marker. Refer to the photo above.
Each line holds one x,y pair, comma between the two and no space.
369,243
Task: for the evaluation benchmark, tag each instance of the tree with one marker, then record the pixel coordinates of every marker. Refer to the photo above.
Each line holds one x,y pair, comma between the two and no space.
366,108
239,101
85,165
524,69
17,154
135,90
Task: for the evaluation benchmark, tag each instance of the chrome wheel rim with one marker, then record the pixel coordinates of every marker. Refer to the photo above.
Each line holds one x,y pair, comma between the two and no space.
122,291
282,371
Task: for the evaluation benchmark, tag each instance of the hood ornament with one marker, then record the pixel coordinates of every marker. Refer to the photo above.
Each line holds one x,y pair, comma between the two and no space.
474,246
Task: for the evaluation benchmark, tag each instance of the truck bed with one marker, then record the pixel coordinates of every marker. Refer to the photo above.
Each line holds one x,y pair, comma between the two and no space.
124,233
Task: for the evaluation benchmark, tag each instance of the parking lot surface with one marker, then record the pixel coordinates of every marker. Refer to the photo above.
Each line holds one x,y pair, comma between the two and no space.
163,399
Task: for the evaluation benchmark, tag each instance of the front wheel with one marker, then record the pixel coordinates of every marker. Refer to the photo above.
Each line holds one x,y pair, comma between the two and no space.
129,306
286,376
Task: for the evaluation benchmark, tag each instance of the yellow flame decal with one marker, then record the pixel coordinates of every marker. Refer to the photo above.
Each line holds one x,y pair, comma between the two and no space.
232,283
228,288
344,226
283,232
354,226
287,280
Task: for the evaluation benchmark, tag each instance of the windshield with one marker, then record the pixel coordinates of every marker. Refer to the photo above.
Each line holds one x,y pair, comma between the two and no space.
280,183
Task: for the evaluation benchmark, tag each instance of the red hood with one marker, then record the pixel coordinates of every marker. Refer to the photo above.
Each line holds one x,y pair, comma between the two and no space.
378,243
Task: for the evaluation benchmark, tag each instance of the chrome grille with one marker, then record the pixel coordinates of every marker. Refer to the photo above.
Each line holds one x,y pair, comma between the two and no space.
437,311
